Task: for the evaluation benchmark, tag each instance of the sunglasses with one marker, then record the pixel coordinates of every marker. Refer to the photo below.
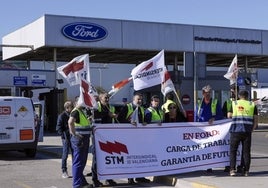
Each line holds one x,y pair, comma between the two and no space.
172,107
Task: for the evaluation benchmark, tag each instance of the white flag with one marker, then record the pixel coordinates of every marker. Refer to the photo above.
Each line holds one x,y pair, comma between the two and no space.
119,85
232,72
149,73
86,97
135,116
75,70
167,84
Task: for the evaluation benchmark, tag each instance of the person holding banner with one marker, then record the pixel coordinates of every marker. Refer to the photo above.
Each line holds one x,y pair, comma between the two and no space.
79,127
244,122
154,114
174,114
104,114
208,109
133,113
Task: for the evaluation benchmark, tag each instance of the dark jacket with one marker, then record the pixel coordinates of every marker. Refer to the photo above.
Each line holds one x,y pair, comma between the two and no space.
62,125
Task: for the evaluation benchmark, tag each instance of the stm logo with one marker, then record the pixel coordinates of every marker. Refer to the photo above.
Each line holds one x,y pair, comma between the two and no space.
111,148
115,147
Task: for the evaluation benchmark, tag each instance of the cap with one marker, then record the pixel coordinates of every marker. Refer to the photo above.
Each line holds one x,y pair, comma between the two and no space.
207,88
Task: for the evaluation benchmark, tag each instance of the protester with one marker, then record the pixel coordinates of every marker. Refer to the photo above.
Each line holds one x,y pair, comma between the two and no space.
174,114
154,114
244,122
227,105
79,127
227,110
104,114
208,109
133,113
63,130
128,111
169,99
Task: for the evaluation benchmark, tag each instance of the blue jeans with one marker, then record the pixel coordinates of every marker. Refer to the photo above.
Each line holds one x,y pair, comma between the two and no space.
235,140
80,153
66,148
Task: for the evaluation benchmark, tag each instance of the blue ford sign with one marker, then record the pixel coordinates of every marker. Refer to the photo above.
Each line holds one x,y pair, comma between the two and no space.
85,32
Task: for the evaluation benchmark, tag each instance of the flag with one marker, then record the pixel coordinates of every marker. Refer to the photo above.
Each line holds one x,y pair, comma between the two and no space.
167,84
119,85
134,117
86,98
149,73
75,70
232,72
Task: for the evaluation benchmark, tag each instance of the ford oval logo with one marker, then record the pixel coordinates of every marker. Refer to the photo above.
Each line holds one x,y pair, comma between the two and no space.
85,32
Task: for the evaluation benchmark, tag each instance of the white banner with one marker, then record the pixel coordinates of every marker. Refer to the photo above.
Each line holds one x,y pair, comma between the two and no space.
125,151
149,73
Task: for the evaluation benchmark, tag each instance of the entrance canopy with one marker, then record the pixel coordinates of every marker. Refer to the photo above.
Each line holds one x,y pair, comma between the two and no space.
61,38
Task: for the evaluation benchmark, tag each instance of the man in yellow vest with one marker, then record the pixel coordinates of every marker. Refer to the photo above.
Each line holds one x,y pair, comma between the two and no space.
226,110
154,114
80,128
244,122
104,114
133,113
208,109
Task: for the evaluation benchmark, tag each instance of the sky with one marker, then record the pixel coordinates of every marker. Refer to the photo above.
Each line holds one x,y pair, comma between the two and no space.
14,14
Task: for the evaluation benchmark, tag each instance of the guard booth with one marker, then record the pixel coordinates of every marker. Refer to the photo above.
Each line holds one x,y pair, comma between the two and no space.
53,101
23,82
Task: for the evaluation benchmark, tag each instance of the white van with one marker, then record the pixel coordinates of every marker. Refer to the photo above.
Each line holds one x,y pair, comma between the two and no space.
18,125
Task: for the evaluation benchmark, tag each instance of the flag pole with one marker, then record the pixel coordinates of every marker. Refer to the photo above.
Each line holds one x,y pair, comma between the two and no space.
88,69
236,75
180,104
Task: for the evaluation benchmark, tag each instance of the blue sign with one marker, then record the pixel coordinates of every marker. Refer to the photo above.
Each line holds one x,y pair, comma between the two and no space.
84,32
38,80
20,81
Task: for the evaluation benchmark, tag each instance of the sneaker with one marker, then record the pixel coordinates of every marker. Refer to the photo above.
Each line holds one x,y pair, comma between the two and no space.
111,182
65,175
142,180
131,181
97,183
232,173
246,173
86,186
209,170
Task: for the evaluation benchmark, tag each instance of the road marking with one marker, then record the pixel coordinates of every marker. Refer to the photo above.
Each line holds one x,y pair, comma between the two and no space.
201,185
